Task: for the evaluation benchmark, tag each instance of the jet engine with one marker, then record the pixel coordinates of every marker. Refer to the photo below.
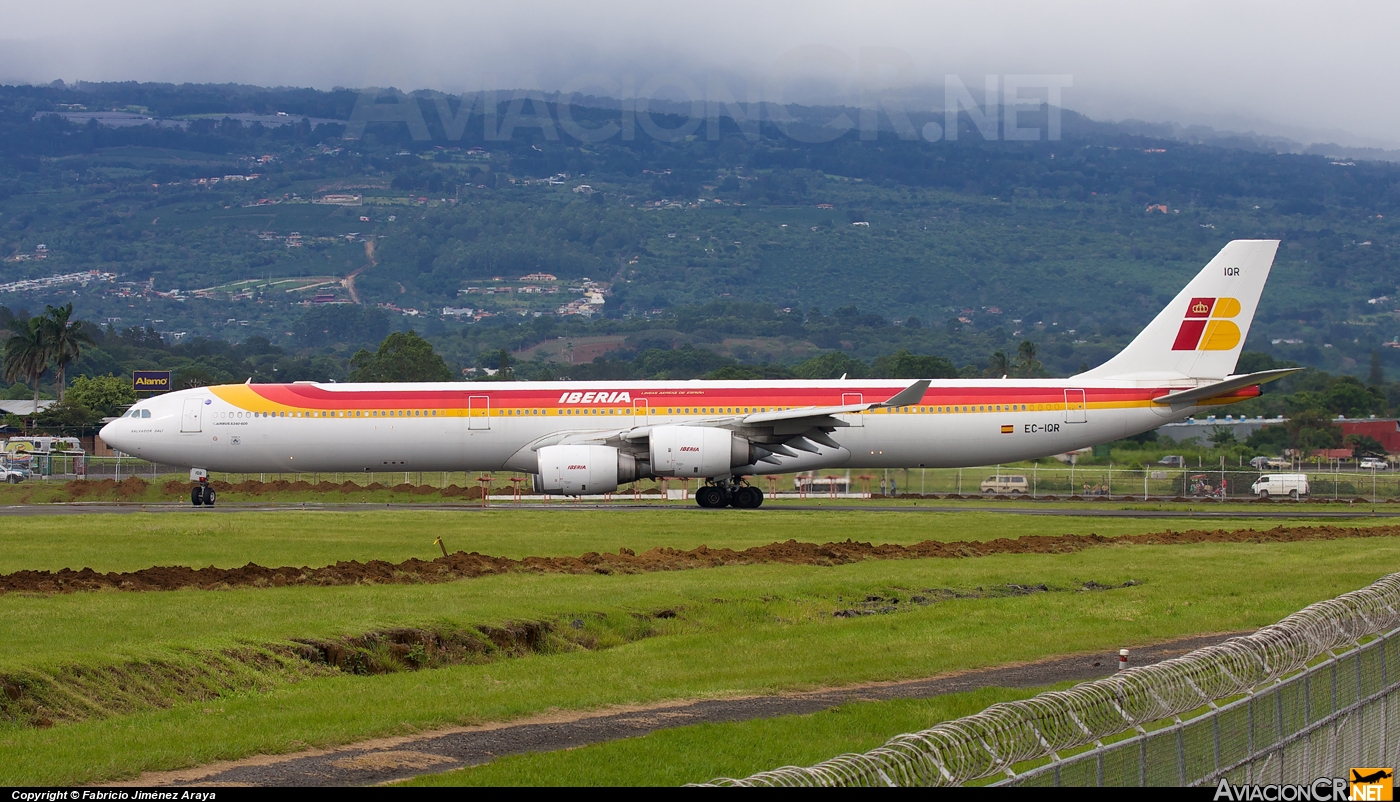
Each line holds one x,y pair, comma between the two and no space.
698,451
576,470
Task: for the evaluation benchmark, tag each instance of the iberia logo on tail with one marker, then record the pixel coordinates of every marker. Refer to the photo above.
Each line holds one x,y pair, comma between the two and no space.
1207,326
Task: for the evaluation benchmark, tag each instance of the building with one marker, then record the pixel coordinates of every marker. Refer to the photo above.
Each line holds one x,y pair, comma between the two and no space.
1200,429
23,408
1384,430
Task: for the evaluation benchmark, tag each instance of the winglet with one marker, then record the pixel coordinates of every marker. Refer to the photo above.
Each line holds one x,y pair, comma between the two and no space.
909,396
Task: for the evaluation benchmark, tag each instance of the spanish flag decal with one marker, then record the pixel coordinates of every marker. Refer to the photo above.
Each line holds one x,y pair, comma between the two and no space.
1007,428
1208,327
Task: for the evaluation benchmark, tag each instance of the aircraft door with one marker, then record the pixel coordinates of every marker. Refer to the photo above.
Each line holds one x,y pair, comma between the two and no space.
641,408
192,417
1076,408
847,399
479,412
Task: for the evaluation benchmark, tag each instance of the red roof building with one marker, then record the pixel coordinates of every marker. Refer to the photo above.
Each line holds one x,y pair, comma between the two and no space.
1384,430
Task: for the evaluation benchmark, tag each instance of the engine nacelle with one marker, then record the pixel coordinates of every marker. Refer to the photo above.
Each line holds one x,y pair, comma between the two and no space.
697,451
576,470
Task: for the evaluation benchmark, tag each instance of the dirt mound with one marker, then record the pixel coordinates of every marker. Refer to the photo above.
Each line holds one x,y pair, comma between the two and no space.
462,565
125,490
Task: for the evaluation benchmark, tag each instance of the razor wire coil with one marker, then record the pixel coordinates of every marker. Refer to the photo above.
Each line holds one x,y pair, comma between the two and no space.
990,743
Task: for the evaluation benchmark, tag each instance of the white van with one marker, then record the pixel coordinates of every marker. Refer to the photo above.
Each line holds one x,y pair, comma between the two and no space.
1006,485
1281,484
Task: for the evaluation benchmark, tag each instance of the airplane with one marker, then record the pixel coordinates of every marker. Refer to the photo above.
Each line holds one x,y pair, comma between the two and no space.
580,438
1374,777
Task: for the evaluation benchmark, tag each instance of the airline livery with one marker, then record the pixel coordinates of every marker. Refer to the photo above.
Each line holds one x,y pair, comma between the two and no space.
590,437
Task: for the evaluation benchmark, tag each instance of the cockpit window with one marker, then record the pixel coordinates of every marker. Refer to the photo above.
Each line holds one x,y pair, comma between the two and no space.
145,413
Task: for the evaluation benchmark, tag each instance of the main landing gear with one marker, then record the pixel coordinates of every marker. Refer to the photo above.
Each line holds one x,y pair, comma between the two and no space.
729,493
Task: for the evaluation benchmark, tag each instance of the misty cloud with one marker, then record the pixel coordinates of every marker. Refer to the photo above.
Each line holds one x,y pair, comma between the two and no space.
1286,68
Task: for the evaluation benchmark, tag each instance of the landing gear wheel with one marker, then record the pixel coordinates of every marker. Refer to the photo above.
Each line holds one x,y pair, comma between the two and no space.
197,495
748,498
208,496
710,497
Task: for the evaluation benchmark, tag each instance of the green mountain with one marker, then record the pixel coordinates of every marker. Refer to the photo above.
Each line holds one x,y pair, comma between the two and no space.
761,242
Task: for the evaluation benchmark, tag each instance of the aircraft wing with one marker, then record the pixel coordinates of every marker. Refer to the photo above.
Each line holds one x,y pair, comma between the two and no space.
909,396
787,431
1220,388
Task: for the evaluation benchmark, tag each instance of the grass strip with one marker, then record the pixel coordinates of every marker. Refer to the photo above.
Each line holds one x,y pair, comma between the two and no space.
744,630
135,541
698,753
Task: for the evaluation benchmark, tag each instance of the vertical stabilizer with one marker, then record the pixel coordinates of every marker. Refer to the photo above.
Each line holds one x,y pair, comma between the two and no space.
1201,332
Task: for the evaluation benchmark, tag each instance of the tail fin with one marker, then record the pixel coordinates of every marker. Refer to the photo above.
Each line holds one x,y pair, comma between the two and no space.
1200,333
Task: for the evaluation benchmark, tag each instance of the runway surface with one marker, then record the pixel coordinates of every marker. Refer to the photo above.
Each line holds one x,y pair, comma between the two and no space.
1285,511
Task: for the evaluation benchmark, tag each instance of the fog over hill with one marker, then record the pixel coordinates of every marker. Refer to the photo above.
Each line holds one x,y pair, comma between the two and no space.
1285,70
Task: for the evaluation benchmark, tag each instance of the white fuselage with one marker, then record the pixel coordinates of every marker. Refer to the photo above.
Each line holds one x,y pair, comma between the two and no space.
492,426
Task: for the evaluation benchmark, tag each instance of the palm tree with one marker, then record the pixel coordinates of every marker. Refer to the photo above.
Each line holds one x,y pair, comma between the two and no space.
999,365
66,341
1029,364
27,353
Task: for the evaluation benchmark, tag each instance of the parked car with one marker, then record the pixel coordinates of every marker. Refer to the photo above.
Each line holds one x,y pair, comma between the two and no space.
1259,463
13,474
1292,485
1174,460
1374,464
1006,485
1278,464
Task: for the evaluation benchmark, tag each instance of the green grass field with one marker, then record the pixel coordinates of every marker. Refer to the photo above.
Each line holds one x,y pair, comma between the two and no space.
312,537
736,630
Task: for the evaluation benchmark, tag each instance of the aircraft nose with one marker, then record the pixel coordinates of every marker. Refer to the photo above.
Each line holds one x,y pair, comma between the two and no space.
116,434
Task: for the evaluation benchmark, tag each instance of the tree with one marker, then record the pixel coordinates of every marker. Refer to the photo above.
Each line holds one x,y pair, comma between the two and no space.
831,365
27,353
1313,428
999,365
1364,446
1346,395
1273,439
107,395
402,357
66,340
68,414
905,365
1221,436
1030,366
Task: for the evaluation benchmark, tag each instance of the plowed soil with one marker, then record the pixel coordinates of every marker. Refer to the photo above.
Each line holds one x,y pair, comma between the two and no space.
462,565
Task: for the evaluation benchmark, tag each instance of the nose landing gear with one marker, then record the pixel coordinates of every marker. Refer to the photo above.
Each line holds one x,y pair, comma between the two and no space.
729,492
201,495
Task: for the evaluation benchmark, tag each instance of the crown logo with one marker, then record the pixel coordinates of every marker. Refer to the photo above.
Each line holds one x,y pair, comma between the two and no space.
1200,308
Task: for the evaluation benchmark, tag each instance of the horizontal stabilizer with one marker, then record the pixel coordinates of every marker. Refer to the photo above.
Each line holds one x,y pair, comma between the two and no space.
1223,387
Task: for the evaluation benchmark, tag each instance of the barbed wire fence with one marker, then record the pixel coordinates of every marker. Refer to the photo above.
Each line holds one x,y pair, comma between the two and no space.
1308,697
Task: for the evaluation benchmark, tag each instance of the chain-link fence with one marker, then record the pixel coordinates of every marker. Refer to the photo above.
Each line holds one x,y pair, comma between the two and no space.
1308,697
1119,481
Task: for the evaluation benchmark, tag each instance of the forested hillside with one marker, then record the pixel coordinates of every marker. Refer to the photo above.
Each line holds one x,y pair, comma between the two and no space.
747,242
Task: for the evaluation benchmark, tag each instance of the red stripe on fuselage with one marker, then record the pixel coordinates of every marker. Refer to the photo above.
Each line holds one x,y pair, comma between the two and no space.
314,397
